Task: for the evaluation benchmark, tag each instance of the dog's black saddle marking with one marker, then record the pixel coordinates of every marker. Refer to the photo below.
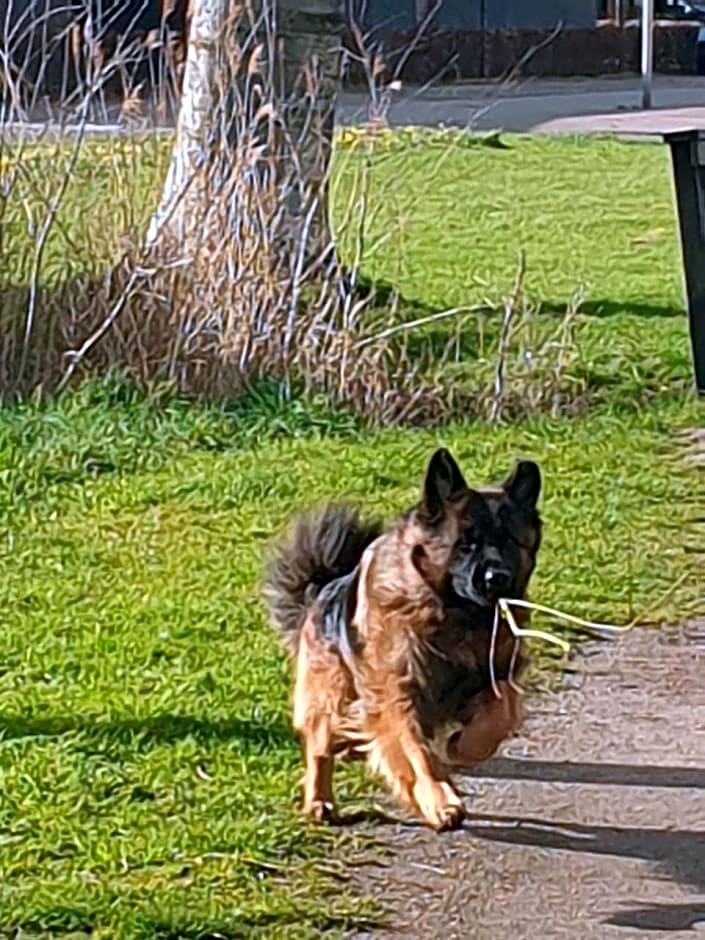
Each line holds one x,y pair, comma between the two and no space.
337,601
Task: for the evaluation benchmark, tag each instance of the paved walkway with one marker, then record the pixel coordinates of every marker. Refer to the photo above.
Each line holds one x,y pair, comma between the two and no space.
634,124
591,826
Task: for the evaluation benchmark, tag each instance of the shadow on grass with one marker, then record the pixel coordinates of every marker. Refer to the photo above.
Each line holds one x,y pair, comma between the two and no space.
477,333
67,922
603,309
373,817
157,729
57,922
599,307
260,925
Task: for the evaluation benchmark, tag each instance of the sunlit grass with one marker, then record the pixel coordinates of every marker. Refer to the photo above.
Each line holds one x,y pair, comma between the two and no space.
148,770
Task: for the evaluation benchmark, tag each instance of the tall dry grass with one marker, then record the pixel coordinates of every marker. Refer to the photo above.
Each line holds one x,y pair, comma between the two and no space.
241,277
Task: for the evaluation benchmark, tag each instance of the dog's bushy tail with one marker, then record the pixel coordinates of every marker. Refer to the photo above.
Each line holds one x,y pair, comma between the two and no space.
324,545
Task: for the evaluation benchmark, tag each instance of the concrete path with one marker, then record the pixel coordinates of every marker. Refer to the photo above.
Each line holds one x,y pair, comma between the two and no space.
590,826
652,123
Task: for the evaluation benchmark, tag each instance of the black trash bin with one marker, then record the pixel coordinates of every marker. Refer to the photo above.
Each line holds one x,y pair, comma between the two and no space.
688,159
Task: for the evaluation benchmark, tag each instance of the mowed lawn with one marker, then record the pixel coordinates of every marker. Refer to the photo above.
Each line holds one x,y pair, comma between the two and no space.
148,772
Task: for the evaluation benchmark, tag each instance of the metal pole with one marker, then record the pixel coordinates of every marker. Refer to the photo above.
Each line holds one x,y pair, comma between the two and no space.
647,50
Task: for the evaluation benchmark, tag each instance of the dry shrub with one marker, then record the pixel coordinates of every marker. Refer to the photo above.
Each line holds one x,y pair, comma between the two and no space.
113,59
238,278
535,371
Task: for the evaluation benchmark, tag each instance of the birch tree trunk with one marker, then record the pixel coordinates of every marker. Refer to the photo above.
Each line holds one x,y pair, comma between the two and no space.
255,125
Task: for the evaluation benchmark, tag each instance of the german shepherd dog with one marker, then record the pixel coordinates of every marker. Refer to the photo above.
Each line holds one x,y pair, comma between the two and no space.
391,633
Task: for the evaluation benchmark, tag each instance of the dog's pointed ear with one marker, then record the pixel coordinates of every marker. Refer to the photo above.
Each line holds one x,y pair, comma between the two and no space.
444,483
523,484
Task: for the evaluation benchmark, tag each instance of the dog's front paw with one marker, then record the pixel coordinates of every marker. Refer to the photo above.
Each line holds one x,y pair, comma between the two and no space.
440,805
320,811
450,817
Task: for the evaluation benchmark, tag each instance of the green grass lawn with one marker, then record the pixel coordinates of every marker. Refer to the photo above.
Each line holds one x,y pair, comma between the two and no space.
149,777
446,222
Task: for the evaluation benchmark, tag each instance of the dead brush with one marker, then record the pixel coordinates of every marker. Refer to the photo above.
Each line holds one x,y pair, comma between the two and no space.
240,277
535,368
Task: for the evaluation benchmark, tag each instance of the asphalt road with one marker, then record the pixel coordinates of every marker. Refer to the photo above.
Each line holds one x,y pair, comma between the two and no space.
545,105
530,105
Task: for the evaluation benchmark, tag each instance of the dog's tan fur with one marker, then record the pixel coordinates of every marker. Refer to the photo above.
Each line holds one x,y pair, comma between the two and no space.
394,697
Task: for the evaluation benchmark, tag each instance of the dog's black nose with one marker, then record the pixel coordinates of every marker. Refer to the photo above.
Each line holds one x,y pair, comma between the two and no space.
497,580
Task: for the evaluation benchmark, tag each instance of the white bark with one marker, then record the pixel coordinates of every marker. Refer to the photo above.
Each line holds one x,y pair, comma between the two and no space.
293,48
196,115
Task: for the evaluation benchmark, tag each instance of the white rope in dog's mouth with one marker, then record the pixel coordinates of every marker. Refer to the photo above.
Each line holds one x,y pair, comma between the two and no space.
503,610
602,630
605,631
